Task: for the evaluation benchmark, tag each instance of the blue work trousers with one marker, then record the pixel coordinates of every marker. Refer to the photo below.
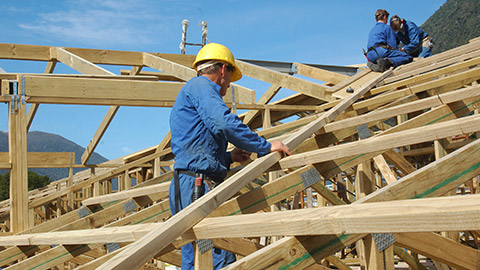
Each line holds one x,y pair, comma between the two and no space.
425,52
221,258
398,58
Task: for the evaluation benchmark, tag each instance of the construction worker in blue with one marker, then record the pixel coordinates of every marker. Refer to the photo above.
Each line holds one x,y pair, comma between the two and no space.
415,41
201,126
382,45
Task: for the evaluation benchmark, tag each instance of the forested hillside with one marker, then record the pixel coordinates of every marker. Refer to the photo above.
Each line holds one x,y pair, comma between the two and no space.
454,24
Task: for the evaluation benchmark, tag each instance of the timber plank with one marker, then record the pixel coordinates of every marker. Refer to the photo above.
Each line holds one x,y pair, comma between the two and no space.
440,248
385,142
428,181
293,83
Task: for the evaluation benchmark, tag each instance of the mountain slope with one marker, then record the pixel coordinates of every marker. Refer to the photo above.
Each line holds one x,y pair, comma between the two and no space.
38,141
454,24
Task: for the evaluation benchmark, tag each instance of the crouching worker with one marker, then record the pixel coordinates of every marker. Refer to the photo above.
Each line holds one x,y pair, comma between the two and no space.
382,46
201,127
415,41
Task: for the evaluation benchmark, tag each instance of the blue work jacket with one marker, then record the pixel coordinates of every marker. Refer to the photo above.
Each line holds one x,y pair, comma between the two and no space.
411,36
381,34
202,125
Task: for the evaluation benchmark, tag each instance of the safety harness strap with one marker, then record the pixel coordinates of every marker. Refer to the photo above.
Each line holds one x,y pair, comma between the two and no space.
177,186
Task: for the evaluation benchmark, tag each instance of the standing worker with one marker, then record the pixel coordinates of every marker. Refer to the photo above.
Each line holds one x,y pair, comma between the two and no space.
201,126
415,41
382,45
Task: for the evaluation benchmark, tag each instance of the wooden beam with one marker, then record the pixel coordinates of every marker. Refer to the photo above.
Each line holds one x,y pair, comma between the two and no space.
385,142
427,76
320,74
330,115
131,193
34,107
413,262
107,119
293,83
264,196
450,82
286,253
357,84
41,159
348,81
264,99
239,246
190,215
186,73
421,215
384,168
440,248
429,181
436,61
78,63
169,67
57,255
108,57
100,217
17,145
87,67
24,52
108,175
107,89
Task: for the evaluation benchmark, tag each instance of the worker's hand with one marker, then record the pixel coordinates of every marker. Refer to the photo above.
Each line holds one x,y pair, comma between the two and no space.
280,147
402,49
239,155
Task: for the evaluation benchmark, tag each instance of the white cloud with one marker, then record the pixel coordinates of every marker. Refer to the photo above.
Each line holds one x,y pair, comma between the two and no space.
101,23
127,150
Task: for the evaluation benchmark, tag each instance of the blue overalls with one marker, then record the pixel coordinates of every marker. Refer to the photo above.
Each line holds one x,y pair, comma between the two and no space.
201,126
380,37
412,37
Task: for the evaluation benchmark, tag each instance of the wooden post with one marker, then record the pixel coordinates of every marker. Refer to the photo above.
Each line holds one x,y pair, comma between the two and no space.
350,187
71,195
441,151
95,186
128,180
121,183
17,138
364,185
59,202
202,260
375,259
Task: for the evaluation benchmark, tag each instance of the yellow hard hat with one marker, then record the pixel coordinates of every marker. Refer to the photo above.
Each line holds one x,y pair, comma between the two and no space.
215,51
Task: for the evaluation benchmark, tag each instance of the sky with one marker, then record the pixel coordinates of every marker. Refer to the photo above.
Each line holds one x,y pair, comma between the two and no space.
329,32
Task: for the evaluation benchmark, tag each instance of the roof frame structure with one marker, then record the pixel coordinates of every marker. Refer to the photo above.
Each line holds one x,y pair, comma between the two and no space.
428,107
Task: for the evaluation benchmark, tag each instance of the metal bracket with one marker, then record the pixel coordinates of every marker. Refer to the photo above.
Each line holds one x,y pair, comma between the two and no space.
293,69
363,132
204,245
23,89
83,212
383,240
129,206
111,247
12,104
310,177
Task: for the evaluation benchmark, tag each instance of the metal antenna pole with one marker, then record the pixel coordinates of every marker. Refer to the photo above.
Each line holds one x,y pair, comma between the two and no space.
204,32
184,42
185,23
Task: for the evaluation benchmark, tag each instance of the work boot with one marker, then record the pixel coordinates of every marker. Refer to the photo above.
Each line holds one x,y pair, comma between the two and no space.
373,66
384,63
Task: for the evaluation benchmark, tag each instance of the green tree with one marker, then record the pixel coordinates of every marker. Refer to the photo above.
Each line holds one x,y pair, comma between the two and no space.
34,181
